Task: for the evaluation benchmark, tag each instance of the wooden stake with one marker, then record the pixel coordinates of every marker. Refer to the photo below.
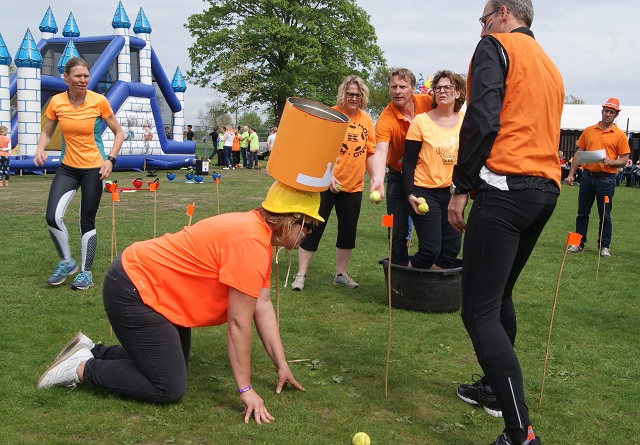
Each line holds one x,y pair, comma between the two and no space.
604,211
386,372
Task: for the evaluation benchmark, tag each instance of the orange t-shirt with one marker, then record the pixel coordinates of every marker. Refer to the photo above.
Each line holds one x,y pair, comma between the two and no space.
439,151
5,142
186,276
613,140
392,127
236,144
359,142
81,127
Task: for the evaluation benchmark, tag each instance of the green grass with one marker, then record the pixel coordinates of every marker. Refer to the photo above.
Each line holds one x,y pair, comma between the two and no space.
591,389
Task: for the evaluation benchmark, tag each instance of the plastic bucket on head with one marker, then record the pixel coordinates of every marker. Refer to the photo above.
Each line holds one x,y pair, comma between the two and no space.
310,136
425,290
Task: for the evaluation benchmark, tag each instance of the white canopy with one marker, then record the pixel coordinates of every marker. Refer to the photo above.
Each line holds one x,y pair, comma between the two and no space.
579,117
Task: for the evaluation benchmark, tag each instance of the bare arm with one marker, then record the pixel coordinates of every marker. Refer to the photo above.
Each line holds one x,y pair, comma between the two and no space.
267,327
240,312
114,126
43,142
377,165
574,167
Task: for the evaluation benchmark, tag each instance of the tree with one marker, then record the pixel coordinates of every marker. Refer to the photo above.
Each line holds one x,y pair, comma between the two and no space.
251,119
571,99
286,47
214,116
378,92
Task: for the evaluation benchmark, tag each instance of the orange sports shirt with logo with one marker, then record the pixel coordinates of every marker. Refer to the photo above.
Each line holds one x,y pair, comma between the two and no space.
81,127
359,143
186,276
392,127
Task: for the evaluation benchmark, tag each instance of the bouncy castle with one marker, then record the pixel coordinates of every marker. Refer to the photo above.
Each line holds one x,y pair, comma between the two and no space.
124,68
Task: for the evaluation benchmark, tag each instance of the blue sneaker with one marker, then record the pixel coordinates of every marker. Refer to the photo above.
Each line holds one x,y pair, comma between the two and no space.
83,281
62,270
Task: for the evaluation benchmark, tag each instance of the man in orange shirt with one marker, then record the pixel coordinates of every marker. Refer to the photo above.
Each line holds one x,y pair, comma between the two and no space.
391,131
598,180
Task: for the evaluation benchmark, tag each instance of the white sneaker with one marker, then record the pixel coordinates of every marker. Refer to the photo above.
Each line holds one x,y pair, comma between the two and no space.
63,372
575,249
79,338
605,252
298,282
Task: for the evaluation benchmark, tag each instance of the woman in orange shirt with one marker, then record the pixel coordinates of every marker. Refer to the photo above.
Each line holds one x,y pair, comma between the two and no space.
83,165
214,272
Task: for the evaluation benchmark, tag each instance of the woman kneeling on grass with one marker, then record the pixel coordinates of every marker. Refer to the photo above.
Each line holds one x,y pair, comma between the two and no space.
216,271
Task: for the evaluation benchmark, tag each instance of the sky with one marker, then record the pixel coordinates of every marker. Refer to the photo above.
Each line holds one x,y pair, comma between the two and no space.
590,41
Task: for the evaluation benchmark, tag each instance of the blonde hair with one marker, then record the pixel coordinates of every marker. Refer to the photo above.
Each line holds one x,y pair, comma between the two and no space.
341,98
282,223
3,130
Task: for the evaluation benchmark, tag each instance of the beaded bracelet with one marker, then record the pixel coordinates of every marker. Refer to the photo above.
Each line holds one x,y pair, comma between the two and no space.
240,391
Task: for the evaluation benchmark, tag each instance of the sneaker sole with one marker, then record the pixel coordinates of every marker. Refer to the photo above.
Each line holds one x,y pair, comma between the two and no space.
81,287
57,362
467,400
492,412
57,283
345,285
69,346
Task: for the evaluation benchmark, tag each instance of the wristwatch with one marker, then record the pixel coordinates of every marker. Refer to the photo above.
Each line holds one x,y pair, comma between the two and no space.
112,159
455,190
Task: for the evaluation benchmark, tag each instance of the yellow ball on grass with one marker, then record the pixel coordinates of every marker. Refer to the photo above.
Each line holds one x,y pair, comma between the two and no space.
361,439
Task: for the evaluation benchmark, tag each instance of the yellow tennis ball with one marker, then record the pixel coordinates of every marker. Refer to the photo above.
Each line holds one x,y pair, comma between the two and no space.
421,200
375,196
361,439
423,208
338,187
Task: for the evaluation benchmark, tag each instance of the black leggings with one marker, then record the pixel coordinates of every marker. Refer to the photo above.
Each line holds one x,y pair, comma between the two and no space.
347,211
502,230
64,187
4,167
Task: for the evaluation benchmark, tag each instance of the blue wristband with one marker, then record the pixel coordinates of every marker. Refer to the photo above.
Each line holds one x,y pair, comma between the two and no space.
240,391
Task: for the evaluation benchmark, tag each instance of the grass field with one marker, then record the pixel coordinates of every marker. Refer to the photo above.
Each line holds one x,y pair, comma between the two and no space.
339,335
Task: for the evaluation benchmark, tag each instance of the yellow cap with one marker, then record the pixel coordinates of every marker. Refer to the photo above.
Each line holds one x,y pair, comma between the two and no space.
284,199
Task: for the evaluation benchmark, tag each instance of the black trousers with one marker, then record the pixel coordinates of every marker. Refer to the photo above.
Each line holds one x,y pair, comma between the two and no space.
502,230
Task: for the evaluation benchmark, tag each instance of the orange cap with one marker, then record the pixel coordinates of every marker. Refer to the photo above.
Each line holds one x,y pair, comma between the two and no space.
612,103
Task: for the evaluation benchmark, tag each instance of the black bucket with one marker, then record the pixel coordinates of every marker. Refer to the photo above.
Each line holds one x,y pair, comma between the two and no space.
425,290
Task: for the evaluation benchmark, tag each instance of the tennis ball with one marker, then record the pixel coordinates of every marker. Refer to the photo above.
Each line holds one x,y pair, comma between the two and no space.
338,187
421,200
423,208
361,439
375,196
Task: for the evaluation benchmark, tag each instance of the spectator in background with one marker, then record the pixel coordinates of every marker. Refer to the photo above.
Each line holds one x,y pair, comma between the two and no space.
244,146
190,134
235,149
5,150
227,145
167,132
271,139
598,179
254,144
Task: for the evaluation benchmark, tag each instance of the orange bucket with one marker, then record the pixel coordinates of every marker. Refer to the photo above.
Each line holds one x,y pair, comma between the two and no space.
306,148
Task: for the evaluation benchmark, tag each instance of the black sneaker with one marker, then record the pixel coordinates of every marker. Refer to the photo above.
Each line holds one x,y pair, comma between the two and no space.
504,439
481,395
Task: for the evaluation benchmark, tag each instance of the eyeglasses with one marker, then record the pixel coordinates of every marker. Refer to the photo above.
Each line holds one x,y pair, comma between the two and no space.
445,88
307,226
483,19
354,95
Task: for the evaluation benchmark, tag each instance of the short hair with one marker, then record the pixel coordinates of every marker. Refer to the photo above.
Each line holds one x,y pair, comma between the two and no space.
404,74
274,129
73,62
341,98
189,126
456,80
520,9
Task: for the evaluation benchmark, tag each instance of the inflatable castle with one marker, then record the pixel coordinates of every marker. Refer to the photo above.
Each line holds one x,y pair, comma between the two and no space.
124,68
